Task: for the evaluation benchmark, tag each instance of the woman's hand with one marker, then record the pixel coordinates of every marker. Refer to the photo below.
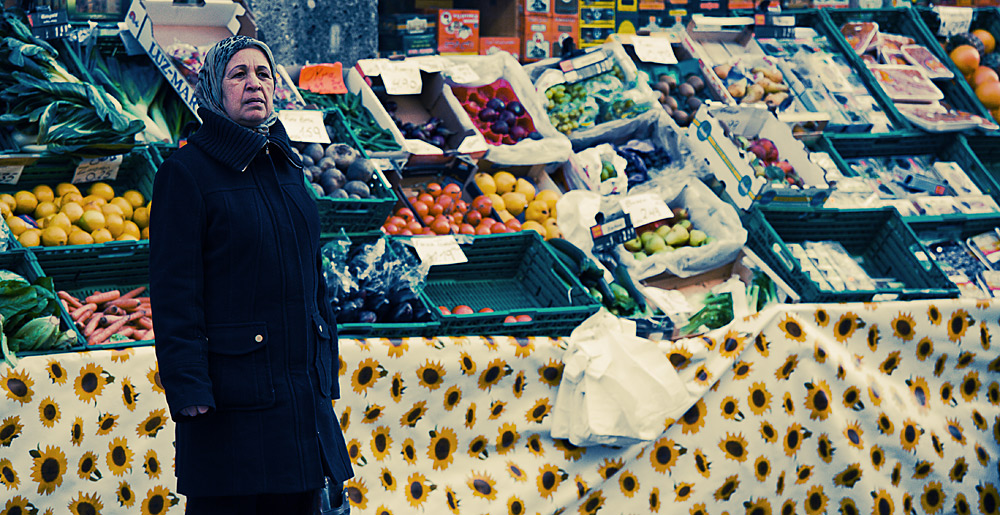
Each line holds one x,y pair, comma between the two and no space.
194,411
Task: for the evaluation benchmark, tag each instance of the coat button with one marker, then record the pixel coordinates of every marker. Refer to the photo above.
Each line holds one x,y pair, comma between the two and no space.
258,338
321,329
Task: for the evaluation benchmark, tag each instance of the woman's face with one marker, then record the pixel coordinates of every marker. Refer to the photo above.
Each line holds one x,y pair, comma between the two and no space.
248,88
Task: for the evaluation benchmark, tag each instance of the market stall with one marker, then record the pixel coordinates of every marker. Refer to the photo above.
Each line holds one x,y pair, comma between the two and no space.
705,263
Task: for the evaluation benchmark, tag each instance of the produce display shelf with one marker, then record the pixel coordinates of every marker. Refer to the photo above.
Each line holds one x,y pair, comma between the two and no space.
385,329
944,147
906,22
355,215
135,173
888,248
987,150
23,263
512,274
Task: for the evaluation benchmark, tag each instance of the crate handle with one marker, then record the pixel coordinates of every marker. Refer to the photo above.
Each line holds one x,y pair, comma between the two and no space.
117,249
784,256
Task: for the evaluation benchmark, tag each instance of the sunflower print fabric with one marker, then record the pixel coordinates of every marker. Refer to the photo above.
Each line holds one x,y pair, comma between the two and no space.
890,408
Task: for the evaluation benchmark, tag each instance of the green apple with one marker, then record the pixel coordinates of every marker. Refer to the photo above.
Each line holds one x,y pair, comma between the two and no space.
685,224
678,236
654,244
645,236
698,238
639,255
633,245
663,230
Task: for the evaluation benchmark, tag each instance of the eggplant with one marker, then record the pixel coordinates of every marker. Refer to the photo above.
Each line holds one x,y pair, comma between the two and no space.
403,313
349,311
438,141
367,317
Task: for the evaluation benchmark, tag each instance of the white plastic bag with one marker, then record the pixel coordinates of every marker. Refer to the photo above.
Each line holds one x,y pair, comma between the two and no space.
616,389
708,213
554,147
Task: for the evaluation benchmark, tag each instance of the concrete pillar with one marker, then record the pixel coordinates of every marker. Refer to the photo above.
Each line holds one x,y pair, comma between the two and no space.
316,31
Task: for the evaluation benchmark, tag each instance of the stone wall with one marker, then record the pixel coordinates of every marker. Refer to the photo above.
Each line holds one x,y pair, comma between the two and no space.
314,31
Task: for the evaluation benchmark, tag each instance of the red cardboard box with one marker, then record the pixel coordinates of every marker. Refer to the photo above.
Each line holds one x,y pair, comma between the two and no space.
536,7
563,28
458,31
488,45
537,38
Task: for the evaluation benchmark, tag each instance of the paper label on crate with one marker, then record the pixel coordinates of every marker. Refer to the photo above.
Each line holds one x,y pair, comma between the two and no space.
645,208
652,49
954,20
324,78
402,78
304,126
104,168
10,174
439,250
462,74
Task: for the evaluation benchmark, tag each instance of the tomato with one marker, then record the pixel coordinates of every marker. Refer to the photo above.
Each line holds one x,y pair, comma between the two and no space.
473,218
421,208
486,310
461,309
405,213
434,189
444,310
483,204
524,318
466,229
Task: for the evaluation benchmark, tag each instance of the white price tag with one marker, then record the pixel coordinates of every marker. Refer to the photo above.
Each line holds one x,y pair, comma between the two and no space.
645,208
431,63
954,20
104,168
439,250
402,78
10,174
462,74
653,49
304,126
371,67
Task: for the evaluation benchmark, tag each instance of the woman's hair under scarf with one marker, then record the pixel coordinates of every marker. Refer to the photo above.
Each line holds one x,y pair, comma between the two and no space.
208,91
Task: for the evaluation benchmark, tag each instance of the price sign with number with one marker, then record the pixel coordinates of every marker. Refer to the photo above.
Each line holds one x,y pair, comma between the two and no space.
402,78
462,74
104,168
439,250
645,208
653,49
611,233
371,67
325,78
10,174
304,126
954,20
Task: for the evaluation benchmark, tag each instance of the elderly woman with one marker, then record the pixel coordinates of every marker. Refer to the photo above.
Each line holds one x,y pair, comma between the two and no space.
246,341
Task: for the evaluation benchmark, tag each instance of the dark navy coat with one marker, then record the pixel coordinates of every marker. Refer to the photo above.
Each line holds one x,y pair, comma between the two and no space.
242,323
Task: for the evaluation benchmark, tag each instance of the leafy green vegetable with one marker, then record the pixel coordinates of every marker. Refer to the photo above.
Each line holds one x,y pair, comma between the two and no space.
717,312
29,315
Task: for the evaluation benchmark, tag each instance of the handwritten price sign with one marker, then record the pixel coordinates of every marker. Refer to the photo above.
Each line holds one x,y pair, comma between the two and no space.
324,78
104,168
954,20
462,74
304,126
653,49
10,174
439,250
645,208
401,78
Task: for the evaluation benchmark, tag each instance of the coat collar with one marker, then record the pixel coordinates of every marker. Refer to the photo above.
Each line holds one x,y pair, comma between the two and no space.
236,146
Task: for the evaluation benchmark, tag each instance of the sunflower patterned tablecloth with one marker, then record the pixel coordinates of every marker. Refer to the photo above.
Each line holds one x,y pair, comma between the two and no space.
856,408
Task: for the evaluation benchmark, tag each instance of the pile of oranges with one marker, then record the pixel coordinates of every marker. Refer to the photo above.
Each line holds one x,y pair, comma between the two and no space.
52,217
438,210
984,80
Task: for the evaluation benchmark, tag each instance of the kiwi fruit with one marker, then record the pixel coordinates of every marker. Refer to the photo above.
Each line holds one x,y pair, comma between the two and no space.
693,103
671,102
696,82
662,87
686,89
681,117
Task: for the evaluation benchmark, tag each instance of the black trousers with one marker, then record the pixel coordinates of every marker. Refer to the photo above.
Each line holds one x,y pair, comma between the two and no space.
298,503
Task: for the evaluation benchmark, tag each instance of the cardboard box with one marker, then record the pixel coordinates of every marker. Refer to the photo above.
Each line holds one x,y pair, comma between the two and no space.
537,38
357,85
563,28
194,24
458,31
407,45
511,45
411,24
731,167
435,99
565,8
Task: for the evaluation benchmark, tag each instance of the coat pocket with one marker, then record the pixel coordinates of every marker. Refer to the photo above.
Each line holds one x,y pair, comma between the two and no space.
239,366
325,367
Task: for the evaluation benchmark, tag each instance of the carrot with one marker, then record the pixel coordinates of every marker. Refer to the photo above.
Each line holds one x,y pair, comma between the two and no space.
73,301
146,322
98,298
65,305
133,293
126,331
107,320
126,304
106,333
114,311
149,335
78,312
92,324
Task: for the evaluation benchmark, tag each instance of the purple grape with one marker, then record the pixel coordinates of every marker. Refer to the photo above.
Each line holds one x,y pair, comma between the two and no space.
437,141
516,107
517,133
500,127
488,114
507,116
496,104
535,135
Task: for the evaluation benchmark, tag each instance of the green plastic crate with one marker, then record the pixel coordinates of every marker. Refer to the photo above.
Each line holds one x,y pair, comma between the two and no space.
907,22
23,263
887,247
944,147
513,274
383,329
987,149
355,215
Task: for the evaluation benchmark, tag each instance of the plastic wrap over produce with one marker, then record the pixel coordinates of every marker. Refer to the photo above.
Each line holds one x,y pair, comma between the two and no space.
709,214
552,147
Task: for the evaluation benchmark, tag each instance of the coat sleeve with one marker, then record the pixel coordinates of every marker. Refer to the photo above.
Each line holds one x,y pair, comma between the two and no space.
326,310
176,283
